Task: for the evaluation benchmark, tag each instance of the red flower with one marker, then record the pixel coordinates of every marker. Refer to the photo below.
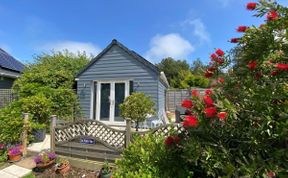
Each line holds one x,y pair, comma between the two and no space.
222,115
213,56
208,74
234,40
187,104
274,72
220,80
208,92
195,93
220,60
271,174
251,6
208,101
190,121
172,139
258,75
210,112
212,68
176,139
272,15
281,66
219,52
169,140
242,29
252,65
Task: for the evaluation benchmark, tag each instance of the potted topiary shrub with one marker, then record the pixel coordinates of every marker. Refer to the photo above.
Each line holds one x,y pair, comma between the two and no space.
45,159
106,171
63,166
14,153
137,107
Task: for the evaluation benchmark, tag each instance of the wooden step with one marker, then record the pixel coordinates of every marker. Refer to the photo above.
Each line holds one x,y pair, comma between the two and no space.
98,147
87,154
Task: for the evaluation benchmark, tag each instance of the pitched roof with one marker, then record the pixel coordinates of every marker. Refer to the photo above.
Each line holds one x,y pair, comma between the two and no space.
9,62
130,52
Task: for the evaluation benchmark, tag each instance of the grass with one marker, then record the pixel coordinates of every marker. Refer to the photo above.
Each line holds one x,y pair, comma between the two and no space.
29,176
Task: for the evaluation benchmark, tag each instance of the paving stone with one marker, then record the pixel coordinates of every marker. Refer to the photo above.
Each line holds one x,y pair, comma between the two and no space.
17,171
27,163
6,175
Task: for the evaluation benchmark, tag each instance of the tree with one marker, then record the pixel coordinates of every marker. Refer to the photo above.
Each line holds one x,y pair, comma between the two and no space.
50,78
137,107
198,67
171,68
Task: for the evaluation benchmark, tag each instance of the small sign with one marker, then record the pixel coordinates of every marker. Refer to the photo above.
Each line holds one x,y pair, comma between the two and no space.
87,141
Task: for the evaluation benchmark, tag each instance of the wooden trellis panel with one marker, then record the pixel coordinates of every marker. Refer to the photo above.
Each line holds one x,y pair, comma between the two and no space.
108,136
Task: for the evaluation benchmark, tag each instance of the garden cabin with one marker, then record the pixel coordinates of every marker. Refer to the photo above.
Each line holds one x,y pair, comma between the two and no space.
10,69
113,75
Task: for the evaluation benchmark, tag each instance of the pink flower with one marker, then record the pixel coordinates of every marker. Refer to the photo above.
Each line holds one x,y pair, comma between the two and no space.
190,121
272,15
187,104
219,52
208,92
252,65
210,112
242,29
281,66
251,6
222,115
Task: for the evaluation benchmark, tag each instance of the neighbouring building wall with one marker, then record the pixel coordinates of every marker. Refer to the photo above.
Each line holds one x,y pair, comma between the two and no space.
116,64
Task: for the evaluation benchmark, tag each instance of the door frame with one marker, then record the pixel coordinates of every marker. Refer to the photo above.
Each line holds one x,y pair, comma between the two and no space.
112,100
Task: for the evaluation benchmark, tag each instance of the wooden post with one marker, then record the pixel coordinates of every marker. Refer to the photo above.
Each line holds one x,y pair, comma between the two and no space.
128,132
25,133
52,133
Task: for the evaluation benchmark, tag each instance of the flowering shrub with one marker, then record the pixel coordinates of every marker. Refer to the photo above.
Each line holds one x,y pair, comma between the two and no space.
241,128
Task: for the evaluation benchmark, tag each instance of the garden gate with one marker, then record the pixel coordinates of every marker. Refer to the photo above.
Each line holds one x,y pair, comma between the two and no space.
93,140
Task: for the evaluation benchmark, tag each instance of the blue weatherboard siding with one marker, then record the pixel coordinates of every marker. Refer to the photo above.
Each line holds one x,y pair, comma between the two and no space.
117,64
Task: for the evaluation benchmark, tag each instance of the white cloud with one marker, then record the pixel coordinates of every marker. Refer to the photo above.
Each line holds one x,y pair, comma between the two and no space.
198,29
170,45
72,46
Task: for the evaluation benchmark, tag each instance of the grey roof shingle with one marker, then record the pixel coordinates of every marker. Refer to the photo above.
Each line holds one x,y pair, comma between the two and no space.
9,62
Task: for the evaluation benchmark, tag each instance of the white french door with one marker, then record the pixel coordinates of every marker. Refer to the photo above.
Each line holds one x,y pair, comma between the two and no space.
109,95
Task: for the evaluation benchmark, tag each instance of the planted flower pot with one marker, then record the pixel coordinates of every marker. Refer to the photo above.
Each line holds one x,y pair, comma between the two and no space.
63,167
15,158
39,135
106,175
14,154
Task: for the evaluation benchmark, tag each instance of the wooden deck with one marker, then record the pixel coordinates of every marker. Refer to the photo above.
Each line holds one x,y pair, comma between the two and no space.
97,152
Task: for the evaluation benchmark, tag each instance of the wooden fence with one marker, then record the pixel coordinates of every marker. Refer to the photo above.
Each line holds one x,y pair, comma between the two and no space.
104,142
174,97
6,97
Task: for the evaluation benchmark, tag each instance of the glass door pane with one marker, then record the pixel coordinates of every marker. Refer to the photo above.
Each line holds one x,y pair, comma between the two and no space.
119,98
105,102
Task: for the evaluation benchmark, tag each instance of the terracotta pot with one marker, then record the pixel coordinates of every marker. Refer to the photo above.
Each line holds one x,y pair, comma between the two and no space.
14,157
45,165
106,175
63,169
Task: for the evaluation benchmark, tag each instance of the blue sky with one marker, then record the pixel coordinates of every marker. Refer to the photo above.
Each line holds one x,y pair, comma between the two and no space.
183,29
